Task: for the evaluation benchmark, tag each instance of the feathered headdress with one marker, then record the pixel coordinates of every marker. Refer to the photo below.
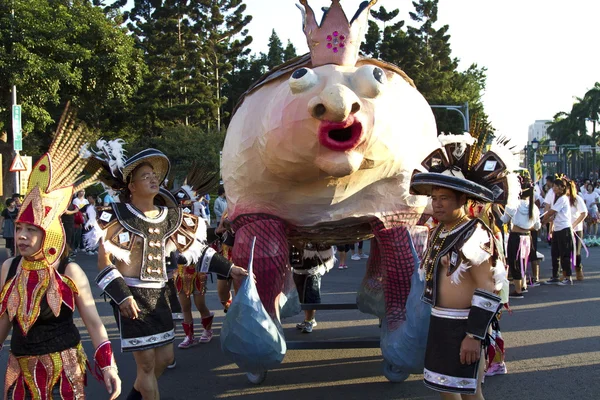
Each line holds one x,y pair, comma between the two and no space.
52,182
199,180
53,179
465,165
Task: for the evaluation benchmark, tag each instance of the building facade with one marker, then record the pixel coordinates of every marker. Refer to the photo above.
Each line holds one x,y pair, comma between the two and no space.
538,130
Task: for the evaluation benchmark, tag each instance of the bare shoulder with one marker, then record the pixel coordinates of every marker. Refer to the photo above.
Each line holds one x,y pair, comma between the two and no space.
5,267
74,271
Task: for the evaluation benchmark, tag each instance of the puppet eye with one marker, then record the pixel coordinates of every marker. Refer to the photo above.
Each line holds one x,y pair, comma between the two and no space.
369,81
303,79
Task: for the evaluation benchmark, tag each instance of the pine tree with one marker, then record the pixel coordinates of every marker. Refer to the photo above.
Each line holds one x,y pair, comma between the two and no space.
223,38
289,52
275,55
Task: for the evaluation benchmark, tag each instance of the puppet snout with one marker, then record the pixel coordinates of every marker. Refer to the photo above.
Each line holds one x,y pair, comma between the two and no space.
335,103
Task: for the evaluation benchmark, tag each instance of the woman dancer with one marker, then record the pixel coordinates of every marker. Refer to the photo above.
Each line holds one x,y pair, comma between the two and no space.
578,215
41,289
562,234
525,218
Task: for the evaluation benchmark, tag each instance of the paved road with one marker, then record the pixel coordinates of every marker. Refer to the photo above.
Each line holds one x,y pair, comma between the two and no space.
552,339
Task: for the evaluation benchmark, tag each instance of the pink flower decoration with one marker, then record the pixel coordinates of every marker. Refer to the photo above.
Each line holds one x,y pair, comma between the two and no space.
336,41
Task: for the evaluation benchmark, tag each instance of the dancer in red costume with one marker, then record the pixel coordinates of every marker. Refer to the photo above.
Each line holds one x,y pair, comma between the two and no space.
41,288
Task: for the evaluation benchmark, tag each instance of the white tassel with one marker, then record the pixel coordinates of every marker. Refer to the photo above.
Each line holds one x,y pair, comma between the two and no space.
117,252
200,233
457,275
499,275
192,255
93,237
472,249
422,274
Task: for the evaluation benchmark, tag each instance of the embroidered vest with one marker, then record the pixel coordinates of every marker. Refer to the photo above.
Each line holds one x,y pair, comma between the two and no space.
451,246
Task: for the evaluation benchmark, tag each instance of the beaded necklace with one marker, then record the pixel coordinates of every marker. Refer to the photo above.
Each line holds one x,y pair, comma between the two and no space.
429,263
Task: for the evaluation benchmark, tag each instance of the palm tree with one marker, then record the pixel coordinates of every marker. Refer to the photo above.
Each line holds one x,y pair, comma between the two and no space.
591,102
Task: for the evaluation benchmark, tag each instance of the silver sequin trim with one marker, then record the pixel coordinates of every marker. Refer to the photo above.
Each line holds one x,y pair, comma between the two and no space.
111,276
485,303
450,313
148,340
159,218
449,381
210,252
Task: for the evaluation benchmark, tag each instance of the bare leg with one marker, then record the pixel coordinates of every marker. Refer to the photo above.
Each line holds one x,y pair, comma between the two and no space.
309,315
164,356
479,394
342,257
200,301
224,291
186,308
145,381
518,285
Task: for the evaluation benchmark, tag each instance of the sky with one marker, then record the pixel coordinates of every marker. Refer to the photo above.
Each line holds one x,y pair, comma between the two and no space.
540,54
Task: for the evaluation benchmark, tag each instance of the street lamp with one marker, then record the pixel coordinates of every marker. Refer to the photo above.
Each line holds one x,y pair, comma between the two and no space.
535,144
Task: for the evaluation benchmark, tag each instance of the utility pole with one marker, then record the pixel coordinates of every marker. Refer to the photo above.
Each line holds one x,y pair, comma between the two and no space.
595,176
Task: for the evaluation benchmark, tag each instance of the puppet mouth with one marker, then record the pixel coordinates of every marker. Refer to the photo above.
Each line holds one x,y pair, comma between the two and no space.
340,136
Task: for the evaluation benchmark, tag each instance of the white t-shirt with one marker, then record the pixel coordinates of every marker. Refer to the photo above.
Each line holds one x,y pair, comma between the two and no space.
80,202
576,211
562,219
590,201
549,199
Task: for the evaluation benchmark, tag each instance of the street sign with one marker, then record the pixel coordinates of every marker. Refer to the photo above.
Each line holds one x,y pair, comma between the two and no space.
550,158
18,164
24,175
585,148
17,130
537,170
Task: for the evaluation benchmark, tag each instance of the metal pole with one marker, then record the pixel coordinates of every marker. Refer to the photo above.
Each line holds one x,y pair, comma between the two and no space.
594,150
17,175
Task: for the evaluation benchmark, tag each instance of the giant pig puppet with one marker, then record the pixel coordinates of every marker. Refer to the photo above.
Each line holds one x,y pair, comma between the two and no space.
321,149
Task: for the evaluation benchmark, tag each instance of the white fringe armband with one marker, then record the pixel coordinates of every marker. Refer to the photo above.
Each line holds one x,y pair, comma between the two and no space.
92,238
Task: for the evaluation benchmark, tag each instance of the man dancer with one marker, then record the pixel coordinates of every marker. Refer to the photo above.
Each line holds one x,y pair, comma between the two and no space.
138,236
462,267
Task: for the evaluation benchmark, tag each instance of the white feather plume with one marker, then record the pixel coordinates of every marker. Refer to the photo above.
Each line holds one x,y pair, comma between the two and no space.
506,155
117,152
465,138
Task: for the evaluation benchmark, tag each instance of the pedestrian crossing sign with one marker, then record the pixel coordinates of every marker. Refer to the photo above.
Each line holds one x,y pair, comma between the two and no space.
18,164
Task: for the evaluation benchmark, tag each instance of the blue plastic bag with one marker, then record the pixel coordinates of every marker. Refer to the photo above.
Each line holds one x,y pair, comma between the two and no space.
249,336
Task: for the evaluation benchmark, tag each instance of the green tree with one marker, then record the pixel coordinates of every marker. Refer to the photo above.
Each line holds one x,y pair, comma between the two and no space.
222,37
276,51
54,51
289,52
246,70
185,145
424,53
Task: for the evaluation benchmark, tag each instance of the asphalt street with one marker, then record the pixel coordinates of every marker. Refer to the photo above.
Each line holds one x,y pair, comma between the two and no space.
552,338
